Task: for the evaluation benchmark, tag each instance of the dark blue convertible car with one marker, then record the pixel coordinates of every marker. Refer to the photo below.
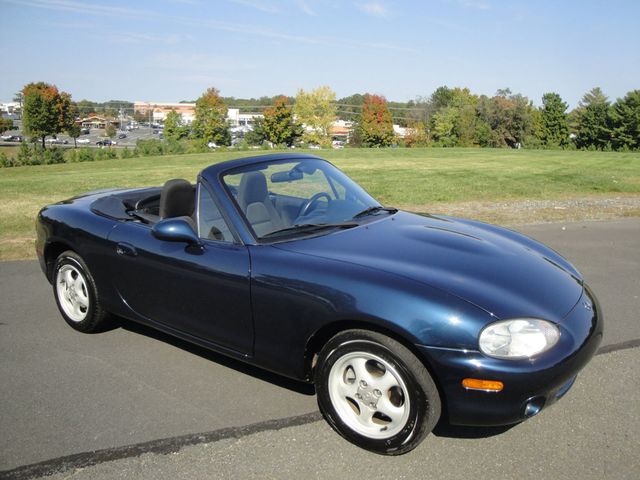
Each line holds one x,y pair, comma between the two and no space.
284,262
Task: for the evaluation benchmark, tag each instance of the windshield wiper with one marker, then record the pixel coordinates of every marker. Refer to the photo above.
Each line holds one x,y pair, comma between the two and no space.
374,209
310,227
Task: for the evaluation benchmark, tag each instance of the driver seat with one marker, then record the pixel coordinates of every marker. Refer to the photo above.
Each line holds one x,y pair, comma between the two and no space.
253,198
178,199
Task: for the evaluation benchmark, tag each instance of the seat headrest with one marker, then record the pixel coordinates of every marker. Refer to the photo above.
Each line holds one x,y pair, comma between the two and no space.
252,189
177,199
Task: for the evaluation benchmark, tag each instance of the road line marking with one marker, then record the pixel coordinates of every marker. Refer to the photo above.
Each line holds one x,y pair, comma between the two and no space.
162,446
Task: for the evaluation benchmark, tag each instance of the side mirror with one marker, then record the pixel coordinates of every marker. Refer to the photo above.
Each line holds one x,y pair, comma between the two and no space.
176,229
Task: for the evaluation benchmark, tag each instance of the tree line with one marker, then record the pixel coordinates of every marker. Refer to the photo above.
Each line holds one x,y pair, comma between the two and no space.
449,117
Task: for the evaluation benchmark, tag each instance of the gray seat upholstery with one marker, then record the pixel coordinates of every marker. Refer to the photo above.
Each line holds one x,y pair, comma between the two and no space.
253,197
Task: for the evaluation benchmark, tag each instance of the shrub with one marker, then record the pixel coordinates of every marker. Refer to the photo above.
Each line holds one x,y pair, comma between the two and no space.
36,156
6,161
149,147
126,153
175,147
105,154
71,155
198,146
24,154
85,155
53,156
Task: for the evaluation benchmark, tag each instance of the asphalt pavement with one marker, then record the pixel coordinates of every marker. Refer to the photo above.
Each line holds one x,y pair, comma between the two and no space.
589,435
138,404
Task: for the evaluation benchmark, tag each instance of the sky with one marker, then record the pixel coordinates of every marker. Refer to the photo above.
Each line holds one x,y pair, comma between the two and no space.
173,50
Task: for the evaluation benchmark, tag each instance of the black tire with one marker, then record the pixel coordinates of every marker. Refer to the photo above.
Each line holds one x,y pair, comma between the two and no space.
420,404
91,318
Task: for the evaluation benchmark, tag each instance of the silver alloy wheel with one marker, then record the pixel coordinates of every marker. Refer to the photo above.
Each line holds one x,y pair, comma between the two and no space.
72,292
369,395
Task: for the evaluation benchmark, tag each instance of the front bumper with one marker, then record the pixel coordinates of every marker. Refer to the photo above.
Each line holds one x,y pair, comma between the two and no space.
529,385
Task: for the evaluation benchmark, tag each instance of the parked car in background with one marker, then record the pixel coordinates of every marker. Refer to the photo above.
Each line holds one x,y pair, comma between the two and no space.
85,131
284,262
104,142
83,141
57,141
212,145
122,135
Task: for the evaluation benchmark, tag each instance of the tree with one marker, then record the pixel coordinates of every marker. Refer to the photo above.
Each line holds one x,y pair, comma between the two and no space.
140,117
5,124
278,125
555,125
73,126
46,110
375,123
174,128
74,132
256,135
464,102
18,97
444,121
592,121
441,98
417,135
249,105
85,107
504,120
110,131
210,122
317,111
625,122
452,116
350,108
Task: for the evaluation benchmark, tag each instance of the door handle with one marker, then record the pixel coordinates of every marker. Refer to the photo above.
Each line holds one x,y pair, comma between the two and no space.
126,250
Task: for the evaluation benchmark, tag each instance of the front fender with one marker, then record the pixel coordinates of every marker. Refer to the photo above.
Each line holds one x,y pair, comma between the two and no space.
295,296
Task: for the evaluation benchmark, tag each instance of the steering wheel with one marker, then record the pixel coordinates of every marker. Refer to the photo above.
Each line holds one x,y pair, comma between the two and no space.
306,206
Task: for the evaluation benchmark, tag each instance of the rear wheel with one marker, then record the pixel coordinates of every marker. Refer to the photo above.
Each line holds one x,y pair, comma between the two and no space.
76,294
375,393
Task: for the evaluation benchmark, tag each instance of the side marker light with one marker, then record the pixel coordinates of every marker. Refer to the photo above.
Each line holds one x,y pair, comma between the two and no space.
484,385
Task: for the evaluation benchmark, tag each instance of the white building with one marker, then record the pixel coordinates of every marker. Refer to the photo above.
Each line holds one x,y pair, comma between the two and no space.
9,107
237,119
400,131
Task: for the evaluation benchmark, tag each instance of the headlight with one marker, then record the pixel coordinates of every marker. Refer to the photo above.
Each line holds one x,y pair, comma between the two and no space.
519,338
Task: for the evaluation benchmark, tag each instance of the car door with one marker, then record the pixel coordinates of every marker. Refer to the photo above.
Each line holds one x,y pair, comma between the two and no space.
201,292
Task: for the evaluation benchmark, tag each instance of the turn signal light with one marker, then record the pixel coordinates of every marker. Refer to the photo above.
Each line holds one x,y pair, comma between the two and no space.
484,385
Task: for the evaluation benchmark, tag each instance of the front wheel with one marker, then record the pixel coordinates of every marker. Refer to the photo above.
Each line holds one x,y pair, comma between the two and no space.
375,393
76,294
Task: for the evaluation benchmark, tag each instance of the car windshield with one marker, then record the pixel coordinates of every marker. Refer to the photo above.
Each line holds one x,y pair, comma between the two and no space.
297,196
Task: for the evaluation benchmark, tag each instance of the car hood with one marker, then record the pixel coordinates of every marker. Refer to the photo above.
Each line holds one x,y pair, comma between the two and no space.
503,272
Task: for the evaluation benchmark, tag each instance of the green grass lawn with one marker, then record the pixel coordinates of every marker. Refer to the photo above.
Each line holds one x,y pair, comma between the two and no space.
410,178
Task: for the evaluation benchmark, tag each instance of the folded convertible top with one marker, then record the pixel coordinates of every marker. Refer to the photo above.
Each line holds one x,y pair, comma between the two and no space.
120,205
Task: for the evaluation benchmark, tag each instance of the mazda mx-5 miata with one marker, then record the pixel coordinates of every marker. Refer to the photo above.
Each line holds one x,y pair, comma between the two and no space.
284,262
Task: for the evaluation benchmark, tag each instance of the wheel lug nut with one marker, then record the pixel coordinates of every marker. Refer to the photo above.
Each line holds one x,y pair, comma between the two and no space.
358,395
372,405
363,383
377,392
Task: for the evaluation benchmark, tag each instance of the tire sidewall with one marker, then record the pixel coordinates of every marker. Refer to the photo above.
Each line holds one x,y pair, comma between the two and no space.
418,401
88,324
